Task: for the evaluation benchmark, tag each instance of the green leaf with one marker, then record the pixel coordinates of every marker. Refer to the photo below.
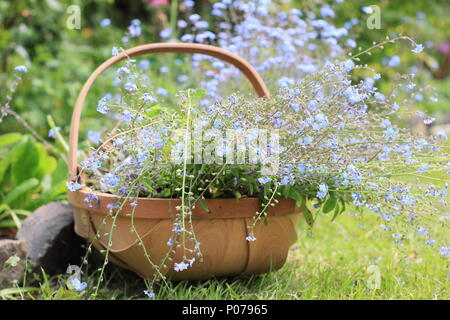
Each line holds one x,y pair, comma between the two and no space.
336,213
20,190
4,165
153,112
46,163
166,193
339,209
49,195
60,172
294,194
330,204
307,214
9,138
197,93
24,160
8,224
6,162
285,191
266,190
204,206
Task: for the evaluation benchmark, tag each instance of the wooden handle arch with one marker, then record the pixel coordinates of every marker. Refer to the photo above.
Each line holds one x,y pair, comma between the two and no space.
213,51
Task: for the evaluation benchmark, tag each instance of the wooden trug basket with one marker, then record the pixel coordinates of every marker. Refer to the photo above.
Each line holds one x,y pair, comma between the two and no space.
221,232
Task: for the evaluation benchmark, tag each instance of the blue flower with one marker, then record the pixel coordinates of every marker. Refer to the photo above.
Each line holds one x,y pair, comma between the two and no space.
422,231
77,285
306,141
264,180
90,163
350,43
182,78
187,37
52,133
444,250
102,107
126,115
285,180
442,135
91,199
130,86
358,199
379,96
182,24
323,191
135,28
149,294
353,96
147,97
367,10
162,92
180,266
285,82
105,22
326,11
307,68
94,136
74,186
201,25
114,51
418,48
164,69
189,4
194,18
348,65
21,69
394,61
144,64
111,179
320,122
429,120
165,33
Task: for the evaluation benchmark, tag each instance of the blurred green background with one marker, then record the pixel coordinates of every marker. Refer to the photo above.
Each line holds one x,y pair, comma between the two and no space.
34,33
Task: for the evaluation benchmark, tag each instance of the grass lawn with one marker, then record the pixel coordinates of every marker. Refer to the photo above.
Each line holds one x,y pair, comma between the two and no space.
333,263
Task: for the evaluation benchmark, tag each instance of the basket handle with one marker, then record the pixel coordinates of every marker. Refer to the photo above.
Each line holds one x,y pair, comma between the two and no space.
213,51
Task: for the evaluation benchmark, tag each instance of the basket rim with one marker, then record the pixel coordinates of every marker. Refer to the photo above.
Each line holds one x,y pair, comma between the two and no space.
163,208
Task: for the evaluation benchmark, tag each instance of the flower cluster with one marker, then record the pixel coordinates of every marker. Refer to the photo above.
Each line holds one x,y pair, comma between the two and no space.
283,46
339,147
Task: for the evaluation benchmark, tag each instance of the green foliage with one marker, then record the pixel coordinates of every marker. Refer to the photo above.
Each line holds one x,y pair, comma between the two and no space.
29,177
331,263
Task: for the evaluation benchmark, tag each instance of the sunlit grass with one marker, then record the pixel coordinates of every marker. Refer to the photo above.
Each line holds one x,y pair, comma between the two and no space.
332,263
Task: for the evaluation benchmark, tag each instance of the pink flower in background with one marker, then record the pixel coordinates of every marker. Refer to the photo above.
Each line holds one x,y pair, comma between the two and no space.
157,3
444,48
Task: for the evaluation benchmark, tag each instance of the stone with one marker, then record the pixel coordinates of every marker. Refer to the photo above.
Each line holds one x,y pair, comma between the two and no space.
12,262
51,239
